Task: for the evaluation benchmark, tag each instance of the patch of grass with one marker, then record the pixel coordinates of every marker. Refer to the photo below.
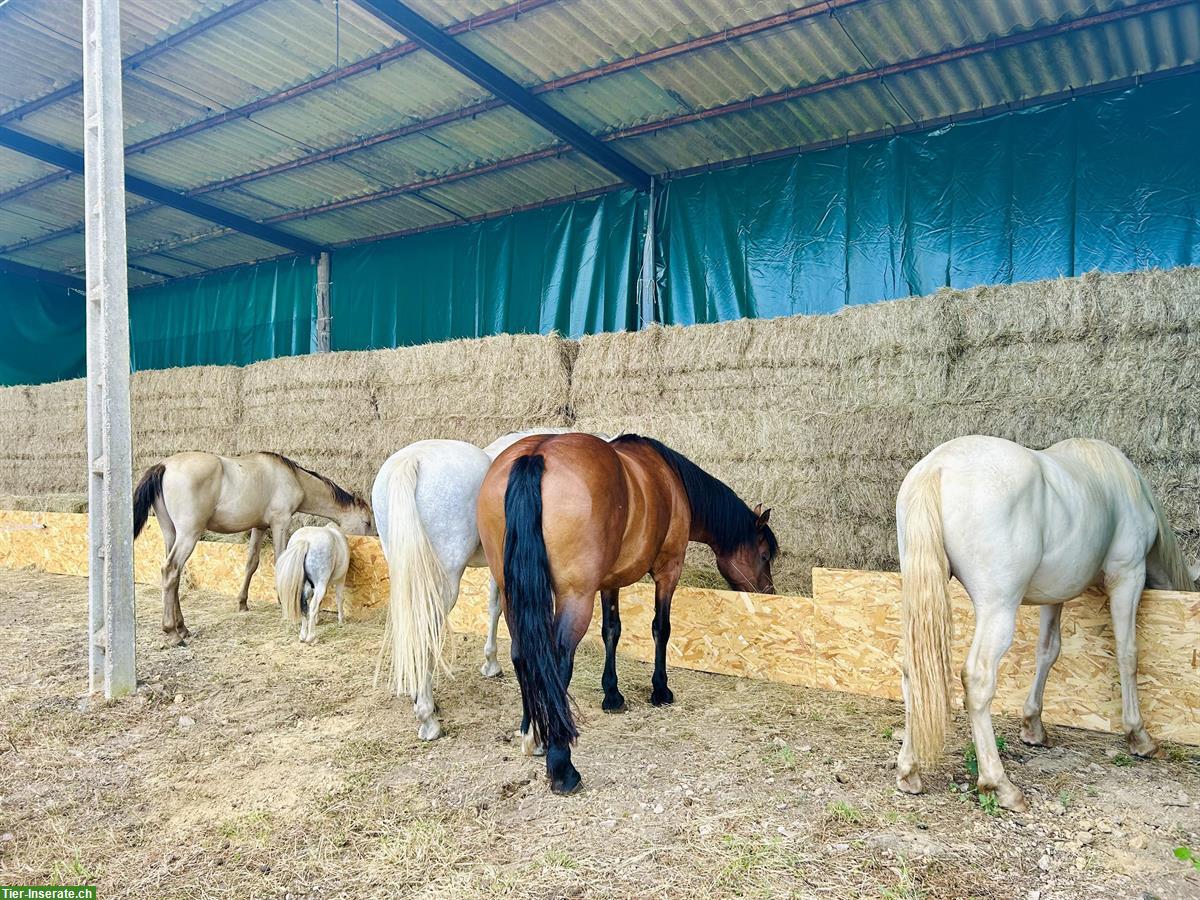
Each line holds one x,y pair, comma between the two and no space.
905,887
1175,753
1187,854
971,757
842,811
254,826
888,733
989,804
1123,760
559,859
417,842
757,864
1064,797
782,758
71,871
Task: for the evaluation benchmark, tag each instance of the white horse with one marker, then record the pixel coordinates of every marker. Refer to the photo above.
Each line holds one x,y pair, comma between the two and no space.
1017,525
316,560
194,492
424,499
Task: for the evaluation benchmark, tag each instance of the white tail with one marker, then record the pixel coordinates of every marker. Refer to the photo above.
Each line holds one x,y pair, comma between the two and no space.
289,578
926,621
414,636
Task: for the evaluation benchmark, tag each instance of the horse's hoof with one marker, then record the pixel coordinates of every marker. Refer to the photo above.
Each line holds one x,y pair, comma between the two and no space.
910,784
490,669
662,697
570,783
1009,796
430,731
243,606
173,639
613,704
1034,734
1141,744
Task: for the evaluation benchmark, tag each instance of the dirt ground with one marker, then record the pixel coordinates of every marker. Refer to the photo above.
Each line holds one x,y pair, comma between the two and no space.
249,765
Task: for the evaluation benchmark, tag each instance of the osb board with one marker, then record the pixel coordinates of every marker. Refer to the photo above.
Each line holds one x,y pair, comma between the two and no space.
846,638
57,542
856,619
731,633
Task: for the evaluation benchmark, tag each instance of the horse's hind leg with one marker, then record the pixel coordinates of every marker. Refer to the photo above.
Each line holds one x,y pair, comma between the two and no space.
610,630
172,568
253,549
1124,590
491,666
908,775
995,622
341,591
1049,643
308,627
664,590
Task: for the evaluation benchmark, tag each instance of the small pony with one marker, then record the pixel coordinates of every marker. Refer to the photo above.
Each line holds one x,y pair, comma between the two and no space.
1019,526
316,559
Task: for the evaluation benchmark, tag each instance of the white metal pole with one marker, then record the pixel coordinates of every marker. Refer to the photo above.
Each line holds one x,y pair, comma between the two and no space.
110,464
646,292
323,321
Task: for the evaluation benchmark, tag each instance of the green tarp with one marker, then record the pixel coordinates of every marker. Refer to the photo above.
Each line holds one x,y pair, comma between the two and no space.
570,267
44,332
235,317
1106,182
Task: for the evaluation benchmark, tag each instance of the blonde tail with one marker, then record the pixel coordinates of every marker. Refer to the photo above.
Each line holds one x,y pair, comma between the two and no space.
289,579
416,621
926,621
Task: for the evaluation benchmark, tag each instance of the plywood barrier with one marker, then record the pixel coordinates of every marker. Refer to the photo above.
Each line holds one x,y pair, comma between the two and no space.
844,638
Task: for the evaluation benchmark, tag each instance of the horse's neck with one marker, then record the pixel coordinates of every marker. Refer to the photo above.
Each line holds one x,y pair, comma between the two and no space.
318,498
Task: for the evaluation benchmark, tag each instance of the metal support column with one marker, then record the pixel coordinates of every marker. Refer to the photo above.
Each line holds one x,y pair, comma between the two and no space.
647,283
110,464
323,320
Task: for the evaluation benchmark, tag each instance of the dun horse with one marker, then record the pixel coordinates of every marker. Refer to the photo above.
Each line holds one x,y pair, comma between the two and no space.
1017,525
565,516
316,560
194,492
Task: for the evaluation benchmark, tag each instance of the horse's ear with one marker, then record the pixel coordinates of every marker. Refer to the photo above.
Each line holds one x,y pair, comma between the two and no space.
764,515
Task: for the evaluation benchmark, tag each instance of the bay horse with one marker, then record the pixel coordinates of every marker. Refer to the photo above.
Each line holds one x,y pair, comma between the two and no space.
316,560
424,499
565,516
191,493
1019,526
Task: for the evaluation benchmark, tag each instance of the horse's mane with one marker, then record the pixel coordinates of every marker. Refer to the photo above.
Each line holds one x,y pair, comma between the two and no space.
715,507
340,495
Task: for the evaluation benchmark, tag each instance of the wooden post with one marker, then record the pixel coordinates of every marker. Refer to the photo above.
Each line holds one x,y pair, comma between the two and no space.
110,464
323,320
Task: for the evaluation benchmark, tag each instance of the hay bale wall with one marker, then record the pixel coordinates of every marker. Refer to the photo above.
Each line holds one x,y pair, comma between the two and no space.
821,417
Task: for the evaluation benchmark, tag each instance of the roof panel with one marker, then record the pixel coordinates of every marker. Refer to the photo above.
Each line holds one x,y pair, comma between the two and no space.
381,217
521,185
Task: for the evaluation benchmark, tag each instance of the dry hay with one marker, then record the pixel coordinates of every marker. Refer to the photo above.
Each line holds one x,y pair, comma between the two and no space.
343,414
191,408
43,447
820,417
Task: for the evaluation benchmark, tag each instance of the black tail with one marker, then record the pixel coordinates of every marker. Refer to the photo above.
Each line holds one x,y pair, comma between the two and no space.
147,491
535,649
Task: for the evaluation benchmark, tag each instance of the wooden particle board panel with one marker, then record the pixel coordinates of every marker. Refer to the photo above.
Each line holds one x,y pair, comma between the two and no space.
846,637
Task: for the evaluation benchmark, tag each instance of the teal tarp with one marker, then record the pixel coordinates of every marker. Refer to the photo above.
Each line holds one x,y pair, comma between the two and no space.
44,332
571,267
235,317
1106,182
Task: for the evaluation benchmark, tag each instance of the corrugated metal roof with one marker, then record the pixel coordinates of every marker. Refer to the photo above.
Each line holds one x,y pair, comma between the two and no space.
309,77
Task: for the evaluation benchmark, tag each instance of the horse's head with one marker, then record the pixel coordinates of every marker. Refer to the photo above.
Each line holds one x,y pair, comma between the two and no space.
747,567
356,518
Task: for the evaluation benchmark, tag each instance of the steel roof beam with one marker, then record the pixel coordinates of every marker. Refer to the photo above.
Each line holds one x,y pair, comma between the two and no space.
12,267
68,159
483,73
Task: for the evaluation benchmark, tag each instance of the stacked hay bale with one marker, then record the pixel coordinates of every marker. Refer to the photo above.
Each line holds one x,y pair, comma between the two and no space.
811,416
43,448
191,408
343,414
1115,357
821,417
